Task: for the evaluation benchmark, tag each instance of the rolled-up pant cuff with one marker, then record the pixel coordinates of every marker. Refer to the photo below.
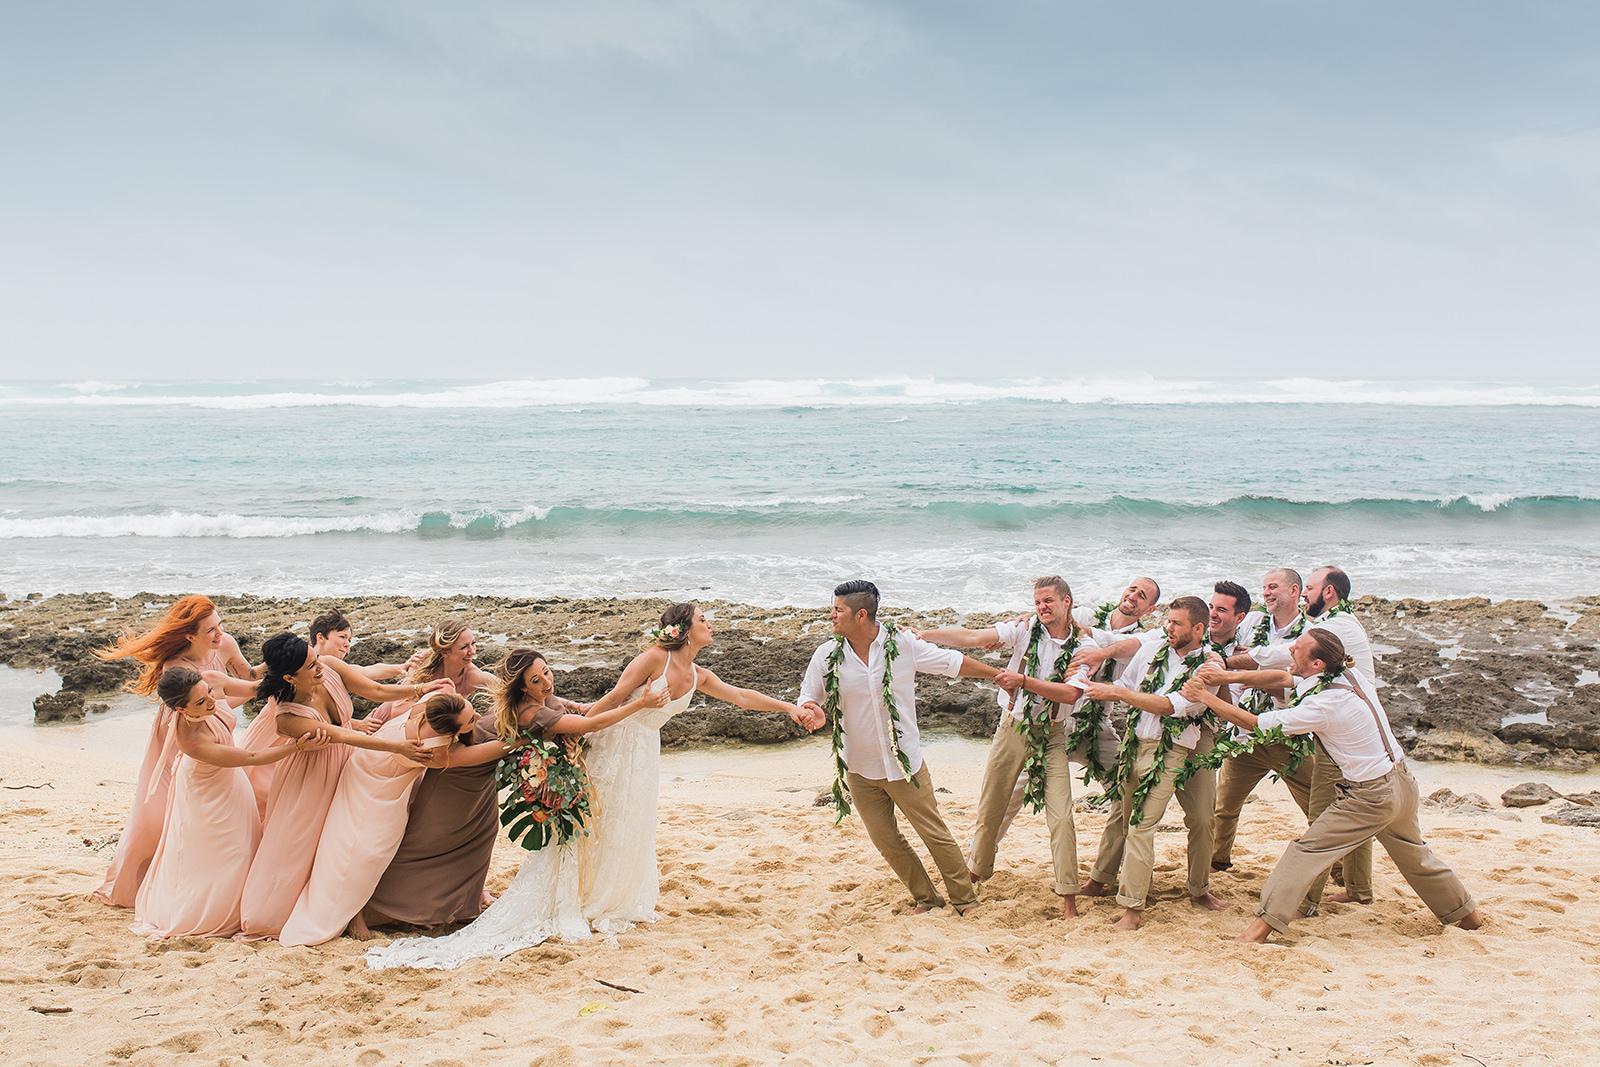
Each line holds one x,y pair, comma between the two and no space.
1452,917
1129,902
1273,921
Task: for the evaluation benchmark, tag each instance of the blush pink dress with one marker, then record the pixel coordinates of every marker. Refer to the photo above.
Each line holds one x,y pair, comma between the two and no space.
141,834
211,833
297,804
364,826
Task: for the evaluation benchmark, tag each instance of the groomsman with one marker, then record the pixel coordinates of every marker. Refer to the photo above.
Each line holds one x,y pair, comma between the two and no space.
1123,616
880,730
1230,603
1327,596
1040,693
1279,621
1152,687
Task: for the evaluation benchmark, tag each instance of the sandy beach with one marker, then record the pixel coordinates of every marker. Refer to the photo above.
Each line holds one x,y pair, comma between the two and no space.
785,939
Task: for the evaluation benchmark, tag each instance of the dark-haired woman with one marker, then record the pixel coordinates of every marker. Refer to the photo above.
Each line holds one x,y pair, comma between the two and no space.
1340,705
366,819
212,826
437,874
190,635
305,693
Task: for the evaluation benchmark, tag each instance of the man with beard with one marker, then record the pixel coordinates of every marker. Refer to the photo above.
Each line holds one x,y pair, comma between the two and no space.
1279,621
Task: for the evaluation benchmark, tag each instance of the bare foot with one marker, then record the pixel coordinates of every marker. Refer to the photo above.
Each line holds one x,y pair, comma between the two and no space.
1131,918
974,875
488,898
1091,888
1343,897
1210,902
1472,921
358,929
1069,907
1256,932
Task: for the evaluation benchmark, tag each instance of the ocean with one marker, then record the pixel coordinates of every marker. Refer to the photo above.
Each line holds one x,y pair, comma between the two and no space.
945,492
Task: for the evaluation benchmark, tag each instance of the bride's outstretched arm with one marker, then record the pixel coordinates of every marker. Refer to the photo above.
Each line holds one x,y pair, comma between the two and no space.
645,666
717,689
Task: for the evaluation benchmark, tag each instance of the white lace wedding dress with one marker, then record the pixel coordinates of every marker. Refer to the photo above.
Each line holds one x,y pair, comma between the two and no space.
600,883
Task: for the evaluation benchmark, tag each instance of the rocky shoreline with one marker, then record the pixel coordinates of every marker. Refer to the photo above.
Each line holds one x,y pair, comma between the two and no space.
1510,683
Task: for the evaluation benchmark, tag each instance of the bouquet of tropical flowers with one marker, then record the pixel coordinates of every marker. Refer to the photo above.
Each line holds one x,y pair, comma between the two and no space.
546,794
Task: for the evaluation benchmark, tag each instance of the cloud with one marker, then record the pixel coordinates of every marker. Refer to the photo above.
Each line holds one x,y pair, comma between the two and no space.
743,187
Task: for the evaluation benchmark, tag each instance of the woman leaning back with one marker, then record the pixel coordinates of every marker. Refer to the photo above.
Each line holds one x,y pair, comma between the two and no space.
190,635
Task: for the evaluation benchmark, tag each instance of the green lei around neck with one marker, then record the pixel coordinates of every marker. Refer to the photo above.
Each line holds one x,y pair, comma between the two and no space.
1299,745
1263,631
1089,714
1171,728
830,688
1343,607
1034,726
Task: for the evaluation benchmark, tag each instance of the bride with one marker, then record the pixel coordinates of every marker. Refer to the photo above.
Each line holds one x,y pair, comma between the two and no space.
606,881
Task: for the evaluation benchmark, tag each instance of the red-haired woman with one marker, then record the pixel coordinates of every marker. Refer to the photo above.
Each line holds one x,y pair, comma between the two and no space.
190,635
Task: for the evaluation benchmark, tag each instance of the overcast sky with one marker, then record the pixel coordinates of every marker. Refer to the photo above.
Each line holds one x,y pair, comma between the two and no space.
737,188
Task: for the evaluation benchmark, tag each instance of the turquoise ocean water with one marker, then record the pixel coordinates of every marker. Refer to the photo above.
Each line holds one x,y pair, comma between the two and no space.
945,492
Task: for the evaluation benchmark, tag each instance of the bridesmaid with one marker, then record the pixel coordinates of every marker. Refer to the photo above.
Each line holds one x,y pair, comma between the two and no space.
330,636
190,634
437,874
366,820
303,694
212,827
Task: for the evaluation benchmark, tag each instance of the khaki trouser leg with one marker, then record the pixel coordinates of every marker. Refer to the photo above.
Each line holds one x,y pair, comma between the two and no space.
1058,812
1198,798
1007,752
1139,858
878,800
1325,780
1387,807
1113,840
1438,886
1239,777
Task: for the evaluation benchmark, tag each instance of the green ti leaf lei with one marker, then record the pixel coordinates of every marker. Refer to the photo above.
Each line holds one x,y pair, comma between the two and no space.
1035,723
830,705
1087,718
1299,745
1263,631
1171,728
1343,607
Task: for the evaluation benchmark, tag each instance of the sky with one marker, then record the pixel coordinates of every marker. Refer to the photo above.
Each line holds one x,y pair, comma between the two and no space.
736,188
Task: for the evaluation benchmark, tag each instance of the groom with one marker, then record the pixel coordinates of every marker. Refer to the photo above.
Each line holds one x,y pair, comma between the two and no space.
871,672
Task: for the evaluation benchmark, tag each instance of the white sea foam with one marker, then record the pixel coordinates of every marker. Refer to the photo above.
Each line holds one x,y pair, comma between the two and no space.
568,393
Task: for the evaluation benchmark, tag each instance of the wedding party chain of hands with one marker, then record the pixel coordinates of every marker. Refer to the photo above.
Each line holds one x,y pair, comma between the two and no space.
830,706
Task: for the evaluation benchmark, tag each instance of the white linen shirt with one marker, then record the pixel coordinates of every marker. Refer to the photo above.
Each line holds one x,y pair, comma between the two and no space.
1344,724
1148,726
868,736
1347,628
1014,635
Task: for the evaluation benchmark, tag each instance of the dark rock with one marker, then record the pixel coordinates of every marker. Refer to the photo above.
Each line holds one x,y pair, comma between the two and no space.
1528,794
1573,815
66,706
91,675
372,650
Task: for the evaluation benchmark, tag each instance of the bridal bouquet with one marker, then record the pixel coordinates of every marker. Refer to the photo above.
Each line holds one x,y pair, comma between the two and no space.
546,794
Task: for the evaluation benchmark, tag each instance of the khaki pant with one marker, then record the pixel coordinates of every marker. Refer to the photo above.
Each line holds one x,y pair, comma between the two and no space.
1197,799
1000,775
1106,744
1385,807
1238,779
875,800
1325,781
1139,848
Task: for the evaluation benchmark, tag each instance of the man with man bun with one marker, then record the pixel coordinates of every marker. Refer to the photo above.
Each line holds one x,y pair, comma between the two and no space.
1338,701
